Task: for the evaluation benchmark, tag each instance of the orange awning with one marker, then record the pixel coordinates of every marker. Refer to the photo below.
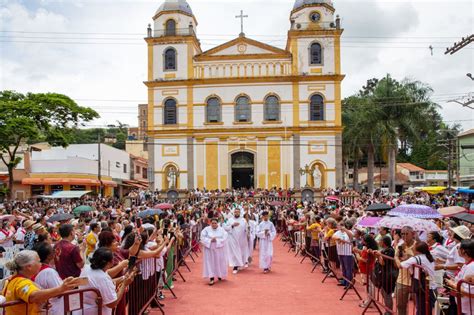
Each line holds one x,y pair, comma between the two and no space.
67,181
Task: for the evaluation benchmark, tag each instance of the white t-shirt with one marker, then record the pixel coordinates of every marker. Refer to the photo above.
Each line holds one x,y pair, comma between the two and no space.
101,281
343,248
439,251
4,234
20,236
466,270
425,263
48,279
453,259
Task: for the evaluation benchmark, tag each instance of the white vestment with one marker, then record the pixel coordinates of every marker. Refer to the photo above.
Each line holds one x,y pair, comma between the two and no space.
237,242
215,259
253,233
266,243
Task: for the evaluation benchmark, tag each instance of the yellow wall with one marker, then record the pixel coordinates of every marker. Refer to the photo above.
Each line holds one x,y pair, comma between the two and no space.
212,166
274,164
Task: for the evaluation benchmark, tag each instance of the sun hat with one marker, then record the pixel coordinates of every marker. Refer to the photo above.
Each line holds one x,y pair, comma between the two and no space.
462,231
37,226
28,223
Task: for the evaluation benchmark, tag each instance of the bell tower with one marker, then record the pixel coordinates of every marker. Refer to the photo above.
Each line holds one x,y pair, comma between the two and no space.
314,38
172,42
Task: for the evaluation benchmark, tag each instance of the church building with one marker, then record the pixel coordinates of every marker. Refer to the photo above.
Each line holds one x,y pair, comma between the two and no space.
245,113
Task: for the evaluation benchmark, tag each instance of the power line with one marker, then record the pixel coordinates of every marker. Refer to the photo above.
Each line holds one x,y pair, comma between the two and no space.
227,35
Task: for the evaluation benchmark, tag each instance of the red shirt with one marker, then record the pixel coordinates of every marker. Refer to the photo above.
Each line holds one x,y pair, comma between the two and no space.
66,256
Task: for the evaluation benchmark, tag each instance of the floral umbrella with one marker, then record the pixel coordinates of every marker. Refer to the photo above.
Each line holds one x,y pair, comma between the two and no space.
450,211
417,224
369,221
415,211
164,206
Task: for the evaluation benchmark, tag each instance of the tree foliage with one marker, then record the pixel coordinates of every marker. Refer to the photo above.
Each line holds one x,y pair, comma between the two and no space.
27,118
398,122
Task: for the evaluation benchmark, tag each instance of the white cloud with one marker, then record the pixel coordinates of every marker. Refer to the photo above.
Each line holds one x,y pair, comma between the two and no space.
116,71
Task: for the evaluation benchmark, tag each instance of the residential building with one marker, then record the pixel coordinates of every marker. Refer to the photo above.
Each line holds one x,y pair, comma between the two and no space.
76,167
466,158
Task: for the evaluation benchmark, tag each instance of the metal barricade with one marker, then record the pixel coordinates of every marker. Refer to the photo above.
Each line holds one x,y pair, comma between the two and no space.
465,297
398,291
6,308
72,301
143,291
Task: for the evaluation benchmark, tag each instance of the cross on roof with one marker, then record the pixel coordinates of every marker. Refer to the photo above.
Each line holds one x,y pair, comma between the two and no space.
241,17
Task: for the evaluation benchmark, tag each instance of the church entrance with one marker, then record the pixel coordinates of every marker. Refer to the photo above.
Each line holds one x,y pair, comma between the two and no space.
242,170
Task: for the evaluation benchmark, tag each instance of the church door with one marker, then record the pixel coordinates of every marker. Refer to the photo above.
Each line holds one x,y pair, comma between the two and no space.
242,170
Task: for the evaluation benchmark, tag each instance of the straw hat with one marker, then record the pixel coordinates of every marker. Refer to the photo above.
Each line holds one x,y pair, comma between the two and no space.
37,226
462,231
28,223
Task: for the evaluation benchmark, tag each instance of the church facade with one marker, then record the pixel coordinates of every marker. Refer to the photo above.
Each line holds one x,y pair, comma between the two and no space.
245,114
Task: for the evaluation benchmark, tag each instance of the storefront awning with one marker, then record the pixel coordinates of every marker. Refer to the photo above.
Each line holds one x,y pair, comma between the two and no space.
67,194
135,183
67,181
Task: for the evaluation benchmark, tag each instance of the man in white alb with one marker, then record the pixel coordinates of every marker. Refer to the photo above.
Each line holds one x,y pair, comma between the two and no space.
237,243
266,232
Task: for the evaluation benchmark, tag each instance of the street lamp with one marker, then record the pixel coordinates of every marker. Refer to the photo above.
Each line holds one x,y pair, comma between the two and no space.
469,75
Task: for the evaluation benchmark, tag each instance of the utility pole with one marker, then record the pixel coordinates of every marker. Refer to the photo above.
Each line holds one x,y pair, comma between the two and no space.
465,102
99,169
458,46
450,145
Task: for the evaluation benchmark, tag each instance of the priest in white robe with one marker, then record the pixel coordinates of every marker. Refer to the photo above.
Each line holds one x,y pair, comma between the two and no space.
266,233
214,239
237,241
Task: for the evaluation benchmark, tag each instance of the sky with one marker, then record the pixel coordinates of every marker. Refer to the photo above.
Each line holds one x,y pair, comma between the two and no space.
94,52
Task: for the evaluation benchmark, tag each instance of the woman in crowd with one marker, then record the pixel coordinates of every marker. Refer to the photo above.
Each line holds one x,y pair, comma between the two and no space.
48,277
466,250
385,257
25,265
111,291
422,258
454,261
366,260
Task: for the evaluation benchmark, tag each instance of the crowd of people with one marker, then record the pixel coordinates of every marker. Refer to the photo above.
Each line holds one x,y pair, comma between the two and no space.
52,249
385,257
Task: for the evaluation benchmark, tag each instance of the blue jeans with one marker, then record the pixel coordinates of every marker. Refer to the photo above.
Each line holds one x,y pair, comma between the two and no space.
347,268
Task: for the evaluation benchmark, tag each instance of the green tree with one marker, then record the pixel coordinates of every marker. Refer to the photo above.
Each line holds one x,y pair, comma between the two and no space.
26,118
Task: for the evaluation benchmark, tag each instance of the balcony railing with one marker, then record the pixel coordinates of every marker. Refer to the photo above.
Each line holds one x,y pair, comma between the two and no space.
172,32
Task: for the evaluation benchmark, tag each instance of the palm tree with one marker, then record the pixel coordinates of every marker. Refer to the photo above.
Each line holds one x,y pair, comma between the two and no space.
403,108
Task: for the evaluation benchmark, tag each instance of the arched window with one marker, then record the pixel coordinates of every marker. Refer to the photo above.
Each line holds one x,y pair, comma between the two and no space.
243,112
272,108
170,113
316,108
316,54
170,59
170,27
213,110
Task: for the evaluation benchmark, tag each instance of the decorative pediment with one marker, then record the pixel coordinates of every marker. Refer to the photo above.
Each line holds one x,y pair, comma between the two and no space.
243,48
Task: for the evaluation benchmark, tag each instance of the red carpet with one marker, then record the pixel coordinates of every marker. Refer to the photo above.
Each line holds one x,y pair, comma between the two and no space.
290,288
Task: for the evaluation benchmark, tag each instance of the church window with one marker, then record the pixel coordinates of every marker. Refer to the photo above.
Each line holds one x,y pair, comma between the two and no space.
170,59
170,27
272,108
243,111
316,54
316,108
213,110
170,113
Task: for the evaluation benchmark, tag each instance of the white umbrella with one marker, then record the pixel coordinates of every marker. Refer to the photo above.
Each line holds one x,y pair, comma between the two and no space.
418,225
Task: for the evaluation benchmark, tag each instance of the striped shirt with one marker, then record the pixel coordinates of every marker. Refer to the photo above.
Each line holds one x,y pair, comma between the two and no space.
343,248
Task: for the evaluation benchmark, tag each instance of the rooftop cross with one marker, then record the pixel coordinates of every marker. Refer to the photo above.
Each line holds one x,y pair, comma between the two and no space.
241,17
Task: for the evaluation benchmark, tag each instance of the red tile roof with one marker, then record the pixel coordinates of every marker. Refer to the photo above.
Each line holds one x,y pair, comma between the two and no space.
410,167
